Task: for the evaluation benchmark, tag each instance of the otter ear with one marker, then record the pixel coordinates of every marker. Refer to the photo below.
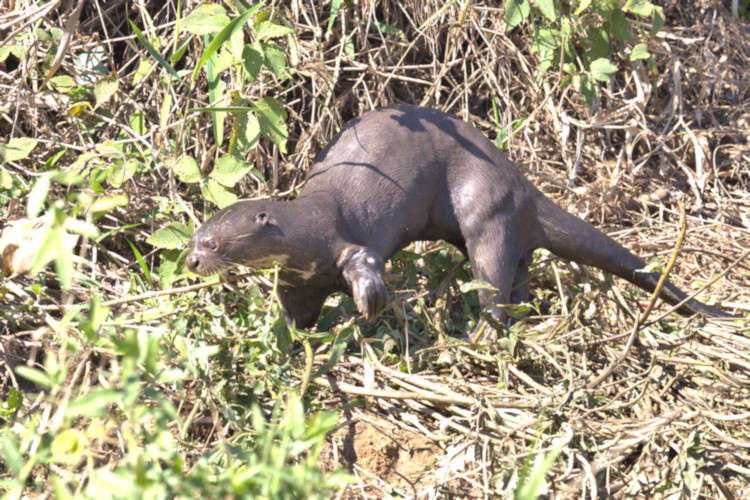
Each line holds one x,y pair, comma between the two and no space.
262,218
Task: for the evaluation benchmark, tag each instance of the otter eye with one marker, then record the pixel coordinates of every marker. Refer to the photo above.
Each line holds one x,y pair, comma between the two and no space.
212,245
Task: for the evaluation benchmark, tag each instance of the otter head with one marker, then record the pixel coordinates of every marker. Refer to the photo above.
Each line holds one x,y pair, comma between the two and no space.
241,234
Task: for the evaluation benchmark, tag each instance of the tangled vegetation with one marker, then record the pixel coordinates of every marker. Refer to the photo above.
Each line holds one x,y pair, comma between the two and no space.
129,123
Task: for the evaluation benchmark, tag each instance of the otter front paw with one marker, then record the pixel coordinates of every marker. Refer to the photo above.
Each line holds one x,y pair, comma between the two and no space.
363,270
370,295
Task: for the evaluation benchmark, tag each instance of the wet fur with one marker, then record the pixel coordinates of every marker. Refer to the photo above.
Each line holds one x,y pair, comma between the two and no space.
393,176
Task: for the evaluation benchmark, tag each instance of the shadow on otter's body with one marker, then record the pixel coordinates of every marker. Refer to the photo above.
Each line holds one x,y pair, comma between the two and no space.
393,176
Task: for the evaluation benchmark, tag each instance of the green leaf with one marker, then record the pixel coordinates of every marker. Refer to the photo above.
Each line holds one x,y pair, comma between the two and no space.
504,134
79,226
335,6
106,203
602,69
141,263
104,89
228,171
604,8
143,68
274,58
272,120
35,375
476,285
11,454
187,170
620,27
110,147
320,424
283,334
245,134
151,50
173,236
97,315
657,20
218,194
252,59
13,399
18,51
224,35
165,111
546,39
640,51
223,61
534,485
18,148
515,310
597,44
138,123
337,350
586,87
566,29
62,83
93,404
78,108
170,270
64,260
640,7
267,29
547,8
6,179
52,160
37,196
68,445
515,12
180,51
66,178
215,96
387,28
122,172
207,19
60,489
582,5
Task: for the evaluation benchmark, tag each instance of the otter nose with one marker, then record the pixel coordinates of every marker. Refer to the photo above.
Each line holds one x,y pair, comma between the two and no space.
192,262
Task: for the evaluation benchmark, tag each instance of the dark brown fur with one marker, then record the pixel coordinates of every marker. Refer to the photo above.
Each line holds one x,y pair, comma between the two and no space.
391,177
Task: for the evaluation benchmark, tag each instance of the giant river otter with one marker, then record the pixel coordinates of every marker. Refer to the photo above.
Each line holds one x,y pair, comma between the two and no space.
393,176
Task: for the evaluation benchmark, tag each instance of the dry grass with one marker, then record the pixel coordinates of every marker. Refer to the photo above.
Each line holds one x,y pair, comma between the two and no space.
633,409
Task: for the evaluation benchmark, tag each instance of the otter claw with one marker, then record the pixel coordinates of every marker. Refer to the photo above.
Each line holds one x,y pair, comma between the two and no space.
370,295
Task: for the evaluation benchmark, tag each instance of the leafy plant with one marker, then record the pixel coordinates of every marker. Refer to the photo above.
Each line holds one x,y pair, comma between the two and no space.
227,52
578,44
273,457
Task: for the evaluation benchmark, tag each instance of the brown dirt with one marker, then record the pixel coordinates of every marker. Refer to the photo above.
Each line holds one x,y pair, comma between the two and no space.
381,452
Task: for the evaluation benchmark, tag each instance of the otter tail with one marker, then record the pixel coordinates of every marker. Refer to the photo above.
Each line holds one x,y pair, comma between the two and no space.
574,239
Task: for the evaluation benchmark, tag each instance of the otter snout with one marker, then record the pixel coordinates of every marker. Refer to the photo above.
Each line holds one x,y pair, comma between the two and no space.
196,262
205,254
192,261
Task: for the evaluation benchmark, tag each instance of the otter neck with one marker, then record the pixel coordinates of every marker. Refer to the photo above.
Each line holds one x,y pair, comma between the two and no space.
317,242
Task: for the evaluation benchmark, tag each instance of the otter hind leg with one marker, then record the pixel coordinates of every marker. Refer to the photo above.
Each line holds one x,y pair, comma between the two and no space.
496,259
499,256
520,291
